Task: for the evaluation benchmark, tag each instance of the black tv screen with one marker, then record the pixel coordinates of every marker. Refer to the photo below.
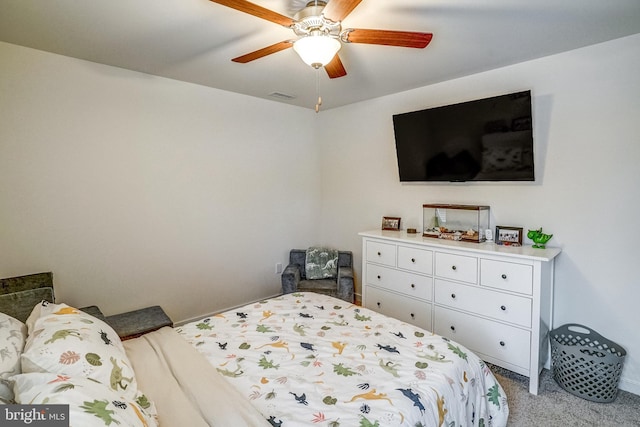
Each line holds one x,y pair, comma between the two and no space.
488,139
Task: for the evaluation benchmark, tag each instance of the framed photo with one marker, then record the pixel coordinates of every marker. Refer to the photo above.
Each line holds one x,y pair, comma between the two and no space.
390,223
521,123
509,236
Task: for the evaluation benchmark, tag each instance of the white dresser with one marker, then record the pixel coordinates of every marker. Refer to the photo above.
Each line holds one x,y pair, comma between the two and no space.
495,300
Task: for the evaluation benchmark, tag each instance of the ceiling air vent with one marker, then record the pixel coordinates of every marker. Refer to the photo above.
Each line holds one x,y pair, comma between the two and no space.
282,96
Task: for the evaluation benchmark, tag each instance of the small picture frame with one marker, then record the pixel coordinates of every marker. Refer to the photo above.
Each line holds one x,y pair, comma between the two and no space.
521,123
390,223
509,236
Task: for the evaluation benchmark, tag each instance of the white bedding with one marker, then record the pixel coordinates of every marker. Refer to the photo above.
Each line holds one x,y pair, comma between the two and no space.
307,359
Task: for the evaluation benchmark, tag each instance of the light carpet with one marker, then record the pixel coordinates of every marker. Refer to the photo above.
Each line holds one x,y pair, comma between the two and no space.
553,406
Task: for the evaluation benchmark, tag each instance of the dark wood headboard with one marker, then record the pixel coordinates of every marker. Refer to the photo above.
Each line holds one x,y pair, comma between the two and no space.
18,295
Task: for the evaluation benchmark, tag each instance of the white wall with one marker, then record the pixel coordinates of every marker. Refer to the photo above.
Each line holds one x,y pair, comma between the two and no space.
136,190
587,135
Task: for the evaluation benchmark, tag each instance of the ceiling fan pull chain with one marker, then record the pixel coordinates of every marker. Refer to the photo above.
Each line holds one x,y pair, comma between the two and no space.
319,102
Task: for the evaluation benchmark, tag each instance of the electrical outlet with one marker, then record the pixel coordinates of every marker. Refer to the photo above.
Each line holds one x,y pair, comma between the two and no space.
278,267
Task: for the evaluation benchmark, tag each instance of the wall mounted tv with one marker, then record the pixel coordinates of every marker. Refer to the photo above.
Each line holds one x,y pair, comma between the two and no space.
488,139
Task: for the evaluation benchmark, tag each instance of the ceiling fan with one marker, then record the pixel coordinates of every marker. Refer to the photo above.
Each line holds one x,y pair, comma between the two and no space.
320,33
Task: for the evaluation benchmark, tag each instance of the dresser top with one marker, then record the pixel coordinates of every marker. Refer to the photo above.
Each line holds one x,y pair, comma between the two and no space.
490,248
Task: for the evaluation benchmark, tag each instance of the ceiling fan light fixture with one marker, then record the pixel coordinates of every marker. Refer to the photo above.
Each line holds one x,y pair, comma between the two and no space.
317,49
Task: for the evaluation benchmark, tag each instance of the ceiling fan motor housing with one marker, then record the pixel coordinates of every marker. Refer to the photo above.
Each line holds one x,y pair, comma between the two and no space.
310,19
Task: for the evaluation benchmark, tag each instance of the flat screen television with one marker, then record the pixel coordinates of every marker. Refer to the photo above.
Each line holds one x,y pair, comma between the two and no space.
487,139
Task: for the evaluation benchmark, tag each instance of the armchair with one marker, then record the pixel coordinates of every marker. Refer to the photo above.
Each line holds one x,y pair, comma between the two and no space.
294,277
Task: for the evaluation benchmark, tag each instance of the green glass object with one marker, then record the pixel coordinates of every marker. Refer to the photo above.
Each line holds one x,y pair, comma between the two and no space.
539,238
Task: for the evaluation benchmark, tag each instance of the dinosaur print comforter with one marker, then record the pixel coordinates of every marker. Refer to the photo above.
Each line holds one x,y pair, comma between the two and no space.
306,359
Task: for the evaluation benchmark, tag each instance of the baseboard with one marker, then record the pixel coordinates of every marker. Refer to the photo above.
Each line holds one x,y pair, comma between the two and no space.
632,386
358,298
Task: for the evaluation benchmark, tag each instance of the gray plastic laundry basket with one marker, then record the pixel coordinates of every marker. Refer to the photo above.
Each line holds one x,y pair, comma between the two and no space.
585,363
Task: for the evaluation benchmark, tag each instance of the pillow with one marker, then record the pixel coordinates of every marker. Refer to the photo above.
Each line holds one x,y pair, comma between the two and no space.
13,335
501,158
67,341
321,263
507,151
90,403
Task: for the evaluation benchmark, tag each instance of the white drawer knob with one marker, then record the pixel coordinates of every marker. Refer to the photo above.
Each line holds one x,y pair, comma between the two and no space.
504,276
453,267
503,308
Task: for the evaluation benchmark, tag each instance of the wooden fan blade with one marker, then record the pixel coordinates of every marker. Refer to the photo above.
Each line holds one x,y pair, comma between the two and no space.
255,10
263,52
389,37
337,10
335,68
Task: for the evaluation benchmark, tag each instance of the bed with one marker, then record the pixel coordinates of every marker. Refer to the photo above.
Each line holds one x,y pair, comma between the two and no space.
307,359
301,359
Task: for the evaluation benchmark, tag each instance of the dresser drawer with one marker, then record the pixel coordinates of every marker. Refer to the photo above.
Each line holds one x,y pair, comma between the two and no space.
495,340
507,276
400,307
381,253
412,285
418,260
507,308
457,267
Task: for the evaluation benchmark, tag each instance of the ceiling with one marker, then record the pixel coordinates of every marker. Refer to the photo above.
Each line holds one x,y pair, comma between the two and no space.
194,40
